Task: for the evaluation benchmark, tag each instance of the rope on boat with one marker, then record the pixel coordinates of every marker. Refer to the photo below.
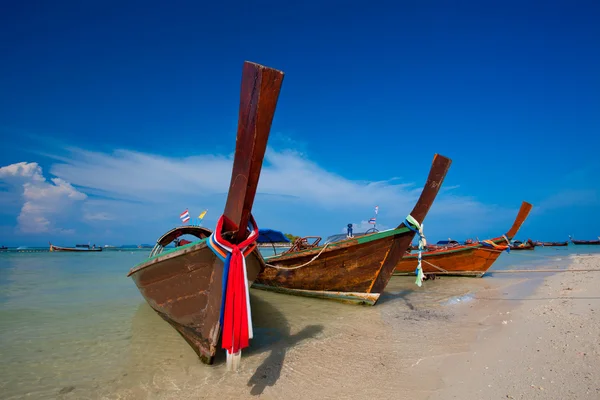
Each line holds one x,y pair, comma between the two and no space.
435,266
414,226
298,266
509,271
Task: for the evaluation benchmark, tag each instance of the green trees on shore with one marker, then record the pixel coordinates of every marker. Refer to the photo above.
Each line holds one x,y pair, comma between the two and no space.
291,237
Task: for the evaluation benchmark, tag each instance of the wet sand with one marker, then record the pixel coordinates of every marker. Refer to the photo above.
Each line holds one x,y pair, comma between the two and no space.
433,342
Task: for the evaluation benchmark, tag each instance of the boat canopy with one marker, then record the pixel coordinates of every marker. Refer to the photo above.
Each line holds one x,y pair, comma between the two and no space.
447,242
197,231
271,236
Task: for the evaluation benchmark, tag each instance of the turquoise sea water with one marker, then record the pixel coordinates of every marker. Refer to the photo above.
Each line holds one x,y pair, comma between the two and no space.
74,320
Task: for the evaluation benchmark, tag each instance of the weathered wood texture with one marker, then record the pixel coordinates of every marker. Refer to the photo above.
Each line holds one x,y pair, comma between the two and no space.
471,259
185,288
363,264
260,91
184,285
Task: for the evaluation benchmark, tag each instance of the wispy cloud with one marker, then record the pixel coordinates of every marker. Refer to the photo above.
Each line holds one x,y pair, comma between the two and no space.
568,198
107,191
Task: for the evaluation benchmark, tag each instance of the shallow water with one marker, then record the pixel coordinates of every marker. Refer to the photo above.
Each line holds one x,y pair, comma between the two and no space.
74,326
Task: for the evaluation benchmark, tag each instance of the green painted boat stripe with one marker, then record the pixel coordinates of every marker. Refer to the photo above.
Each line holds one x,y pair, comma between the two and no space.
359,240
381,235
185,246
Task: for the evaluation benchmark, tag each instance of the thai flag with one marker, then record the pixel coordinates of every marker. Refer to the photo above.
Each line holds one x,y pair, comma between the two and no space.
372,221
185,216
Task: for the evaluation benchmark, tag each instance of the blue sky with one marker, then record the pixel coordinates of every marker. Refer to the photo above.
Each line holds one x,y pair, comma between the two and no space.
116,116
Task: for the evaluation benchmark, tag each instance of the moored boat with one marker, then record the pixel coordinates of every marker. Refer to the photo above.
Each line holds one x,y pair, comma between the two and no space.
589,242
467,260
201,288
551,244
353,269
77,248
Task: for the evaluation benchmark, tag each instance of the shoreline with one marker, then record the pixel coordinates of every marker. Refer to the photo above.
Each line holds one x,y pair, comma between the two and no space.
545,345
454,338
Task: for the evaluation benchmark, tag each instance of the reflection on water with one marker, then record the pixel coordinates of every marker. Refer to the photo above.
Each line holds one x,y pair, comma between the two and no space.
74,326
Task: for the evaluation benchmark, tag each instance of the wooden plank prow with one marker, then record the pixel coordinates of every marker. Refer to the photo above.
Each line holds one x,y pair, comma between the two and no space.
258,99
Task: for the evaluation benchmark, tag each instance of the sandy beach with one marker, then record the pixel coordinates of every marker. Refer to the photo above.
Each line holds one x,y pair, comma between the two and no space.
505,336
547,347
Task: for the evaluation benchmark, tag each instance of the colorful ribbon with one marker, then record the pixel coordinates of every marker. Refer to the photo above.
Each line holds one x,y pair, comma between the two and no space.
236,316
414,226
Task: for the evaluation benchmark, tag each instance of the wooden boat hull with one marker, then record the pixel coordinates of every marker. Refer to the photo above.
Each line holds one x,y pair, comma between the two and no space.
333,275
586,242
551,244
471,261
184,286
354,270
466,260
74,249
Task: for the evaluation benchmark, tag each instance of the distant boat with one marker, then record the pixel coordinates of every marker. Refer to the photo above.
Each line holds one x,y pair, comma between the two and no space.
3,248
550,244
78,247
585,241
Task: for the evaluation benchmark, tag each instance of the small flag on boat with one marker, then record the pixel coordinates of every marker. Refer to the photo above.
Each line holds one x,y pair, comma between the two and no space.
376,209
185,216
372,221
202,214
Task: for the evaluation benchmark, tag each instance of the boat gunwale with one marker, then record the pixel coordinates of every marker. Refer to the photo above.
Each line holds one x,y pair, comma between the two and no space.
525,209
353,241
181,250
465,247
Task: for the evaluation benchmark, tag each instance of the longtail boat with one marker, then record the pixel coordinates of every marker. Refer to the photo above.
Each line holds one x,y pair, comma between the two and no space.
201,287
355,269
551,244
470,259
77,248
584,241
518,245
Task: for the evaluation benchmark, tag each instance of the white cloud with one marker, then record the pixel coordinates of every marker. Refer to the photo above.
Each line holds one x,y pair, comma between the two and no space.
45,203
19,172
146,192
131,175
138,186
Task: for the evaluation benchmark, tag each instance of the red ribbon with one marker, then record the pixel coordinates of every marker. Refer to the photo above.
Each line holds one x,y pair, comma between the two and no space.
235,334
